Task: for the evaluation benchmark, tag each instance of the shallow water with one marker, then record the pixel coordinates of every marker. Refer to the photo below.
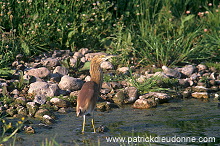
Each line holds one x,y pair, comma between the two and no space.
177,119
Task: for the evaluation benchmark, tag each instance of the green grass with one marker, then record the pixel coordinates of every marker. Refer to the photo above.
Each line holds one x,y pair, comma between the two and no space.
142,32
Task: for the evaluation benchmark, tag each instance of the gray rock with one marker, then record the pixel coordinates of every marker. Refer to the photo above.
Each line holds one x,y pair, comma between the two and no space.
21,110
131,93
188,70
144,103
61,70
20,101
50,62
41,112
78,54
29,130
106,65
59,102
119,97
200,95
43,88
83,51
184,83
202,67
89,56
70,83
171,72
41,72
199,89
73,61
32,108
48,120
40,99
160,97
124,70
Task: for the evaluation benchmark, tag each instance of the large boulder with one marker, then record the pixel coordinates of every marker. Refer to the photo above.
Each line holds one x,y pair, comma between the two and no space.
41,72
70,83
43,88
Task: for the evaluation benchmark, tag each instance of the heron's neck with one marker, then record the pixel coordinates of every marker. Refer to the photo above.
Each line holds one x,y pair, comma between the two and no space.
96,74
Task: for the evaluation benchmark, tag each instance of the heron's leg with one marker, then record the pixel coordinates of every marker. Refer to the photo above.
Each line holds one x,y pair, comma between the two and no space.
93,122
84,123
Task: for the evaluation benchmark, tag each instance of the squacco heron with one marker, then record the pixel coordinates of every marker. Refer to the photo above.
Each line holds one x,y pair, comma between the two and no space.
86,100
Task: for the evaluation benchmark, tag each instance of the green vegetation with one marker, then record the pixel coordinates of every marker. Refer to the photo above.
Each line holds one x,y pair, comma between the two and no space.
142,32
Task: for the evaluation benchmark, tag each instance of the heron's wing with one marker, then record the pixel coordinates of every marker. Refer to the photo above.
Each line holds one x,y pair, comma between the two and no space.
87,94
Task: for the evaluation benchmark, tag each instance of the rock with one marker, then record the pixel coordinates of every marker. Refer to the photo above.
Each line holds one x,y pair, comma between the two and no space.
184,83
61,70
106,85
55,77
124,70
59,102
43,88
201,67
40,99
50,62
105,106
20,101
21,110
194,76
144,103
188,70
186,94
48,120
200,95
171,72
199,89
132,94
106,65
32,108
105,91
102,129
115,85
73,61
11,111
70,83
29,130
41,112
41,72
160,97
119,97
15,92
83,51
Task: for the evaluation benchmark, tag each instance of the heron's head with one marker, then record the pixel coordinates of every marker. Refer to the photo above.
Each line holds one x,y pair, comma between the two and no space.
98,59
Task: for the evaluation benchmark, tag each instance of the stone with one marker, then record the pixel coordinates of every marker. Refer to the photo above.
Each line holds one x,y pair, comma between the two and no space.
43,88
132,94
48,120
61,70
105,91
70,83
119,97
171,72
106,85
107,65
78,54
202,67
102,129
21,110
59,102
200,95
199,89
188,70
29,130
41,112
20,101
83,51
32,108
11,111
184,83
50,62
73,61
160,97
124,70
41,72
105,106
186,94
145,103
40,99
